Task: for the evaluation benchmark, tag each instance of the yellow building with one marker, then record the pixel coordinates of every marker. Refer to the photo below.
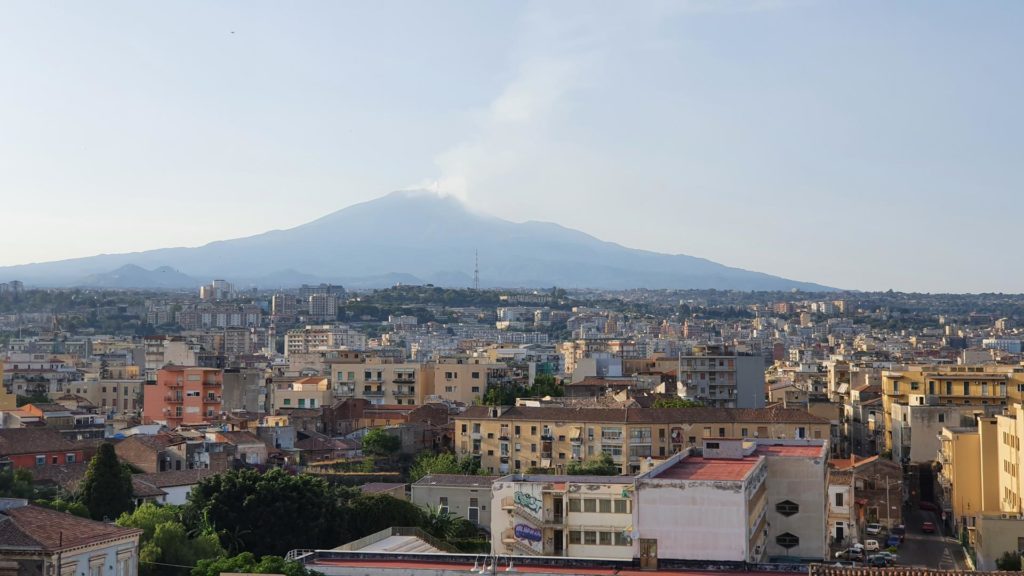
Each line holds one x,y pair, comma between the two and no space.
462,379
312,392
516,439
378,381
979,385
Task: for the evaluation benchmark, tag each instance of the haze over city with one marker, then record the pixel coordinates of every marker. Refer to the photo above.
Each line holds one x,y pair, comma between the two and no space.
867,146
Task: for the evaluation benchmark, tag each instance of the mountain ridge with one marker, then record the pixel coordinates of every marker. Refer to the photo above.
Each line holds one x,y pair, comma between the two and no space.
419,237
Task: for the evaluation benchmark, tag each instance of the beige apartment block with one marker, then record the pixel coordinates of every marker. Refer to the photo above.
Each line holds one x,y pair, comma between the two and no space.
515,439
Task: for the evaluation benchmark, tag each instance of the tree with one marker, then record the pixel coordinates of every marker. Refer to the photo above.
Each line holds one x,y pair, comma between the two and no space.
676,402
377,442
165,541
598,465
16,484
444,463
375,512
1009,561
246,563
71,507
271,512
107,488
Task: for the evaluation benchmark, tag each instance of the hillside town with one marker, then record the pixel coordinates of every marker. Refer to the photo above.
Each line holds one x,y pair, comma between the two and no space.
317,427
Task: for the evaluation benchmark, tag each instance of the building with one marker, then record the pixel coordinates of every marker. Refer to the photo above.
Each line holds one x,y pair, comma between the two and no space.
244,389
323,306
311,392
33,448
183,396
464,379
464,496
719,376
734,500
36,540
554,515
971,389
514,439
8,401
323,337
378,381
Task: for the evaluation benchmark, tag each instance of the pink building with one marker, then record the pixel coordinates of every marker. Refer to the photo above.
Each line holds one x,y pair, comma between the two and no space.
183,395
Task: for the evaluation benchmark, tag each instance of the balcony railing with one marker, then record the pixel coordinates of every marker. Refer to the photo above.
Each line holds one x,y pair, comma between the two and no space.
404,380
375,393
173,399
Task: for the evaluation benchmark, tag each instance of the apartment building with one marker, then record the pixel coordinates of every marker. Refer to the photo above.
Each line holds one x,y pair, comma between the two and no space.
461,379
117,397
183,395
718,375
972,390
8,400
514,439
311,392
322,337
379,381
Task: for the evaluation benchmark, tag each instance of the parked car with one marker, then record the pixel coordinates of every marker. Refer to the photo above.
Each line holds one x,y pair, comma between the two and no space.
845,564
871,546
927,527
873,529
856,553
929,506
893,558
899,530
877,560
893,541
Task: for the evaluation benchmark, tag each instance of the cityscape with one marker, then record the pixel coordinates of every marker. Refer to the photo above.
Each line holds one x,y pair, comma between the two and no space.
551,287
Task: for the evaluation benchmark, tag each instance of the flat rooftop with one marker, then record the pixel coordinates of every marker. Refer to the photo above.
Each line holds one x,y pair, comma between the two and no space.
699,468
346,567
791,451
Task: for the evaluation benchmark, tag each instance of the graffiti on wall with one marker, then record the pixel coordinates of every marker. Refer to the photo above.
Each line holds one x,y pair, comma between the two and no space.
528,501
526,532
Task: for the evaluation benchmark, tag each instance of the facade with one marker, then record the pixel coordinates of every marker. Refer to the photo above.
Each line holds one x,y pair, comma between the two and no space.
183,396
117,397
916,427
323,337
464,379
378,382
244,389
36,540
514,439
985,388
33,448
549,515
464,496
312,392
716,375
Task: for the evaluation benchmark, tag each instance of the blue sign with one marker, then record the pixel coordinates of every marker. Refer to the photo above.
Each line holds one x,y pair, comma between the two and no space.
525,532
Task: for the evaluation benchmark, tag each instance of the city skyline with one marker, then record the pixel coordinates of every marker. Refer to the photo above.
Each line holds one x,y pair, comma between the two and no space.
855,147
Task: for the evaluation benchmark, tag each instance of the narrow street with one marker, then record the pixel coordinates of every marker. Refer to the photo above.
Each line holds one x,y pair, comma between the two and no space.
930,550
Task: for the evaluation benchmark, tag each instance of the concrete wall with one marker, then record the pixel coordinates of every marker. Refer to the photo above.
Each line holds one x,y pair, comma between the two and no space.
802,481
693,520
994,536
458,500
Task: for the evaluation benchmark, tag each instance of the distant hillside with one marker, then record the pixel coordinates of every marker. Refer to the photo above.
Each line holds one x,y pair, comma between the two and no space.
407,237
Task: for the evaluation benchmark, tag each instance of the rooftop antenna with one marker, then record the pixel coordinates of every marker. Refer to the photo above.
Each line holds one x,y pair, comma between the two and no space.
476,270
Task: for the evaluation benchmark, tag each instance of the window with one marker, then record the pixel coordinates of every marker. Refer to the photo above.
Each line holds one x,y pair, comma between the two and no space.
475,375
621,506
604,538
839,498
589,505
801,432
590,538
721,432
475,389
967,388
287,401
787,507
604,506
942,417
533,430
575,537
517,430
787,540
40,459
711,445
474,509
69,458
463,428
443,504
575,505
949,388
707,431
621,539
744,433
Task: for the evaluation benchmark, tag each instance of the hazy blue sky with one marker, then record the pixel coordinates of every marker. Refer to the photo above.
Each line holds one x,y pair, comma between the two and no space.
868,145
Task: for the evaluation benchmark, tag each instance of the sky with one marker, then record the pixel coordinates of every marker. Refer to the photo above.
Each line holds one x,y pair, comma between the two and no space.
866,145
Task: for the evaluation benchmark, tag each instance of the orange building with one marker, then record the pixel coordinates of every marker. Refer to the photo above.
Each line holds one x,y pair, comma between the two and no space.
183,395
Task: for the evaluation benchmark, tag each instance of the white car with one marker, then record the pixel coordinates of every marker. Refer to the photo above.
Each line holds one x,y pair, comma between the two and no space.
871,545
873,529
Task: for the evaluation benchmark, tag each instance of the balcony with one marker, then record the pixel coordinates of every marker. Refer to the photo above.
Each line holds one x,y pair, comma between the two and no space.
211,400
508,536
405,392
404,380
546,437
172,399
370,392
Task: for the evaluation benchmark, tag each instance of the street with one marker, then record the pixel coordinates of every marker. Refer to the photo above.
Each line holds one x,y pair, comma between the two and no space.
929,550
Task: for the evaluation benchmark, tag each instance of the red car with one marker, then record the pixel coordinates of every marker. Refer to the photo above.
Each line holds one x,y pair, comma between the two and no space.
927,527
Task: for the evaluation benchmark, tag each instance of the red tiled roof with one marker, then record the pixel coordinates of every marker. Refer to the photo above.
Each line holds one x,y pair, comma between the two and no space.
40,527
790,451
